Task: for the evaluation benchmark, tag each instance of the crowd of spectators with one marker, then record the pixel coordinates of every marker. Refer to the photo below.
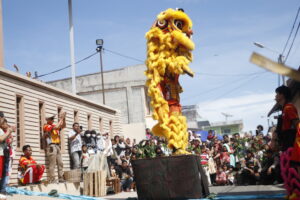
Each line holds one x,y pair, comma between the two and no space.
246,159
233,160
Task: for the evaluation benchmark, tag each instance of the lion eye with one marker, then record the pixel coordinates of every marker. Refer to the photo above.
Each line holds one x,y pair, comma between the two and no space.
178,24
162,24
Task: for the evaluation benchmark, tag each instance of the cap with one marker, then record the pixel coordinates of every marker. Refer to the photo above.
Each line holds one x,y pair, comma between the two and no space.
50,116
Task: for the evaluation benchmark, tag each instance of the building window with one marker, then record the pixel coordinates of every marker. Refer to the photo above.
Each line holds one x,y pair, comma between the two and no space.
76,116
101,125
89,122
20,121
41,122
111,127
226,131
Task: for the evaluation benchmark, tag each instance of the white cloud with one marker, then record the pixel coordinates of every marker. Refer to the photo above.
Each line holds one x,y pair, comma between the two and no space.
251,108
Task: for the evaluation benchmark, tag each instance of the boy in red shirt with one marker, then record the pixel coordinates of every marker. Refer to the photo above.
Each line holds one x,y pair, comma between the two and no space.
31,171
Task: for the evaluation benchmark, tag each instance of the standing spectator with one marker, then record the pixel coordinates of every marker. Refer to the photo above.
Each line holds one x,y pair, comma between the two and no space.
204,162
288,125
211,136
84,158
229,150
75,145
100,143
148,134
259,130
4,155
52,135
8,151
30,170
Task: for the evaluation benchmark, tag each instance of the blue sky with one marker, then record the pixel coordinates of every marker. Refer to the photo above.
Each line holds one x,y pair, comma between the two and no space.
36,38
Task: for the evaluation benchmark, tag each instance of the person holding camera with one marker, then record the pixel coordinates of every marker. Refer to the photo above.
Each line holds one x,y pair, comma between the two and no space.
75,145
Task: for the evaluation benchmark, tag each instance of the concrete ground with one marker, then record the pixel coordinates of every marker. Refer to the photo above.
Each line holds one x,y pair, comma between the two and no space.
220,190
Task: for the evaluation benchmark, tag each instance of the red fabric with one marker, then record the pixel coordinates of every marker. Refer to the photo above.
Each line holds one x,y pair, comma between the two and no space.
1,165
23,162
225,158
37,173
54,133
296,150
289,114
204,159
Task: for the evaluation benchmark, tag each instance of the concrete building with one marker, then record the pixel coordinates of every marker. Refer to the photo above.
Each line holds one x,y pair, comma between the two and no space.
226,127
194,121
25,103
124,90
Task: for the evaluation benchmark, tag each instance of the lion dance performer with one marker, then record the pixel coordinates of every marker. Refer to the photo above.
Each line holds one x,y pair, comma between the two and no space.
288,131
169,47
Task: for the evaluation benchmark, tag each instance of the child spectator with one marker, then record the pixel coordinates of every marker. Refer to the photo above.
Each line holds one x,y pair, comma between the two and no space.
85,158
204,162
221,178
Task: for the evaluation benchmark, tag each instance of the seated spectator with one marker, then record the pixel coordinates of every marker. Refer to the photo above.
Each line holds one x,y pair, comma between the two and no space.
269,167
230,175
221,178
125,176
84,158
31,172
249,174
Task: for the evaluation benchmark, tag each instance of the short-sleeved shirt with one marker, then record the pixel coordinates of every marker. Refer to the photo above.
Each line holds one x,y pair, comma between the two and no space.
24,161
289,114
76,144
54,133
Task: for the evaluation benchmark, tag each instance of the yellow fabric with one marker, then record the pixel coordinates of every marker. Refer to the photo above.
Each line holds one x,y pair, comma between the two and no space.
168,50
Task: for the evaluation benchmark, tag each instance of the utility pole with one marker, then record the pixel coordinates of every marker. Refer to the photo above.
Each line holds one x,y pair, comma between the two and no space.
99,49
280,61
72,54
1,38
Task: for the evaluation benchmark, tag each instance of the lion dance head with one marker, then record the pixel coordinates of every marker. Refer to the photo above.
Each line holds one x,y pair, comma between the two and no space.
169,47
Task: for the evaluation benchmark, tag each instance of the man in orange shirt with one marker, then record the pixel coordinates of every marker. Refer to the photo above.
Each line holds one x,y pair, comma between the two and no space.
31,171
52,136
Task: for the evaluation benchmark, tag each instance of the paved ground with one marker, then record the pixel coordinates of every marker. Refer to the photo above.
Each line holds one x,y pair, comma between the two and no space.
220,190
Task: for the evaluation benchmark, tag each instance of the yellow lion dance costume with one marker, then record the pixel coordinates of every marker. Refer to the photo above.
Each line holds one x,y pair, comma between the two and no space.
168,54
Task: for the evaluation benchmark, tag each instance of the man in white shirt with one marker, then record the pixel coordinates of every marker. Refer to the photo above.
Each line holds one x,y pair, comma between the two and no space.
75,145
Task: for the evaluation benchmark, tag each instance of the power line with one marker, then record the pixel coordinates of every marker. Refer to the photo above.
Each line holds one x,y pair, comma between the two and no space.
286,57
122,55
244,74
232,90
220,86
58,70
291,31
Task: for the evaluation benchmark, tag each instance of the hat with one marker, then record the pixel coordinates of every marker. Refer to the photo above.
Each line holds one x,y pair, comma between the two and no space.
198,139
50,116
